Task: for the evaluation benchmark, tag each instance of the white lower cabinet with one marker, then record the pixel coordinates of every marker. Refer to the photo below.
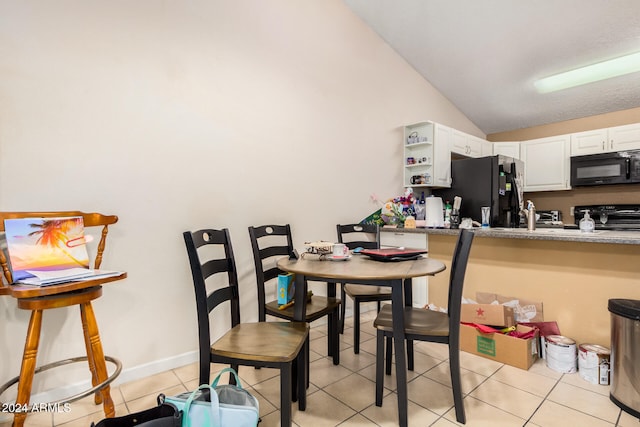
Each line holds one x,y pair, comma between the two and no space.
546,163
410,240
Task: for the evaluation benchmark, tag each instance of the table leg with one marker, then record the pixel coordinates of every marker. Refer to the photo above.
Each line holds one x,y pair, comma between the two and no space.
408,302
332,340
96,353
331,289
397,307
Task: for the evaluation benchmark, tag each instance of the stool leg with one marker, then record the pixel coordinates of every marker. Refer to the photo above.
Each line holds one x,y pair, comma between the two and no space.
92,364
90,325
28,367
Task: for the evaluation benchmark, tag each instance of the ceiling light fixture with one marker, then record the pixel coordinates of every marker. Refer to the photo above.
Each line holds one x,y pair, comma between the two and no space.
591,73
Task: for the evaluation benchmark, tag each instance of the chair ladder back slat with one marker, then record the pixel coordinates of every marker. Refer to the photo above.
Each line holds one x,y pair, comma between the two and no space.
220,296
215,266
270,230
271,274
272,251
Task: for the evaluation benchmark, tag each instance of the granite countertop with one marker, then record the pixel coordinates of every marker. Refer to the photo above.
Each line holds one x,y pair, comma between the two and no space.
598,236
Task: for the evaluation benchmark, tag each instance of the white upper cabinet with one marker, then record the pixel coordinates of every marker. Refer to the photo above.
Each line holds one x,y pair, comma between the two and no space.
486,148
442,156
625,137
511,149
467,145
589,142
427,159
606,140
459,142
546,163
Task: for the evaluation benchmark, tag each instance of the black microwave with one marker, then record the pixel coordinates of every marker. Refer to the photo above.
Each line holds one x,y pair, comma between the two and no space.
622,167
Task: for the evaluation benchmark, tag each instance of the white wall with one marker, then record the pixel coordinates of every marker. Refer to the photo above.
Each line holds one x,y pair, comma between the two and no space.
177,115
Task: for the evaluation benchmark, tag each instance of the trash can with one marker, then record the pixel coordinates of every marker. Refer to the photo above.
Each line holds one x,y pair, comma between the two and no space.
625,354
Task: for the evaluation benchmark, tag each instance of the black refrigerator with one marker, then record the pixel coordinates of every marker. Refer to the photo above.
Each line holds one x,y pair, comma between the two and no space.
494,181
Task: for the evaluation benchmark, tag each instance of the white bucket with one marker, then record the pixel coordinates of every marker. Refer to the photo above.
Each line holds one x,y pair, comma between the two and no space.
561,354
593,363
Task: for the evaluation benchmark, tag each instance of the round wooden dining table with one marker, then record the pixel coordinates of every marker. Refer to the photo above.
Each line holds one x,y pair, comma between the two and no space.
361,269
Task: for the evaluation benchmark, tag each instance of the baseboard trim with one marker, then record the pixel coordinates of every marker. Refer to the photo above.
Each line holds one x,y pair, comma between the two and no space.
127,375
133,373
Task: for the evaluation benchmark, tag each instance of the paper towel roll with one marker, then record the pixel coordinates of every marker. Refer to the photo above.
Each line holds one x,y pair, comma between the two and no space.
433,212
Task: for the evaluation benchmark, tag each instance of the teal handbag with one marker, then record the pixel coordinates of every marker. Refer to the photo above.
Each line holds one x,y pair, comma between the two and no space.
229,406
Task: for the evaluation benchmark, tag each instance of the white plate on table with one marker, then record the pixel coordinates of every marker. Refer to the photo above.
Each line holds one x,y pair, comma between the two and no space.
338,258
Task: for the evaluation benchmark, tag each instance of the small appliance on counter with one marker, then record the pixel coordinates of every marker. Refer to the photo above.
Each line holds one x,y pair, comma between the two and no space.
434,214
610,217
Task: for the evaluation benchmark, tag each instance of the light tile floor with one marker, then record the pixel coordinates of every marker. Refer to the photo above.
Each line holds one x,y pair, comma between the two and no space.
495,394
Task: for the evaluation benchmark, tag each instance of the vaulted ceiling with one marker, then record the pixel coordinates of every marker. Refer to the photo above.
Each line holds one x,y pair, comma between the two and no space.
484,55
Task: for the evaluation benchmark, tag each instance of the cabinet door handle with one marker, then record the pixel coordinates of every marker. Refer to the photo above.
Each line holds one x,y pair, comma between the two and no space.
603,145
611,146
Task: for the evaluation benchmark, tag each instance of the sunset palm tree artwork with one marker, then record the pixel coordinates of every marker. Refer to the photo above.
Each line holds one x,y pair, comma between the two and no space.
45,244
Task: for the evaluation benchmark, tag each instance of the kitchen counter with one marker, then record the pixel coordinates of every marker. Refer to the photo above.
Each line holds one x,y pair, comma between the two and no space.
598,236
573,274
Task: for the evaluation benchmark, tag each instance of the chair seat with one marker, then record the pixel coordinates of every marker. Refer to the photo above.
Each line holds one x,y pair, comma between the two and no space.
417,321
263,341
318,306
355,291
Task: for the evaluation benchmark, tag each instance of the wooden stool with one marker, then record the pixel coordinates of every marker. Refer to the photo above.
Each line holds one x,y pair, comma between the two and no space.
38,299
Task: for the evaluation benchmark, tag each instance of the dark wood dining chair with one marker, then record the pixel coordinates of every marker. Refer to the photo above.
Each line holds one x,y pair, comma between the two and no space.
269,243
366,236
279,345
431,326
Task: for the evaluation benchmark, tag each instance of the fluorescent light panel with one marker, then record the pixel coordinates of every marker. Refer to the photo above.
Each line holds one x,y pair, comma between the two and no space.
591,73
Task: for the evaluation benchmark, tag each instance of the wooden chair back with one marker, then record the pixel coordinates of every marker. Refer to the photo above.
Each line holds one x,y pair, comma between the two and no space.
89,219
211,257
366,236
269,243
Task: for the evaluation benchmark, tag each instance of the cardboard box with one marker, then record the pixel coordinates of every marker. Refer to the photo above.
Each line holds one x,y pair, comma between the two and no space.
286,288
518,352
487,314
545,328
524,310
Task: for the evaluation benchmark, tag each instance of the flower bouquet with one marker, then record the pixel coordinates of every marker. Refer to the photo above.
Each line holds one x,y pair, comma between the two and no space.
394,211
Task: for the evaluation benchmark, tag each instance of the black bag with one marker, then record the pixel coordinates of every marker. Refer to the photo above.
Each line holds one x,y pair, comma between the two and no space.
163,415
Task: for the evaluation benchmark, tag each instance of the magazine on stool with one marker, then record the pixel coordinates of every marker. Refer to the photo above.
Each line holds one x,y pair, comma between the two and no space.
49,251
